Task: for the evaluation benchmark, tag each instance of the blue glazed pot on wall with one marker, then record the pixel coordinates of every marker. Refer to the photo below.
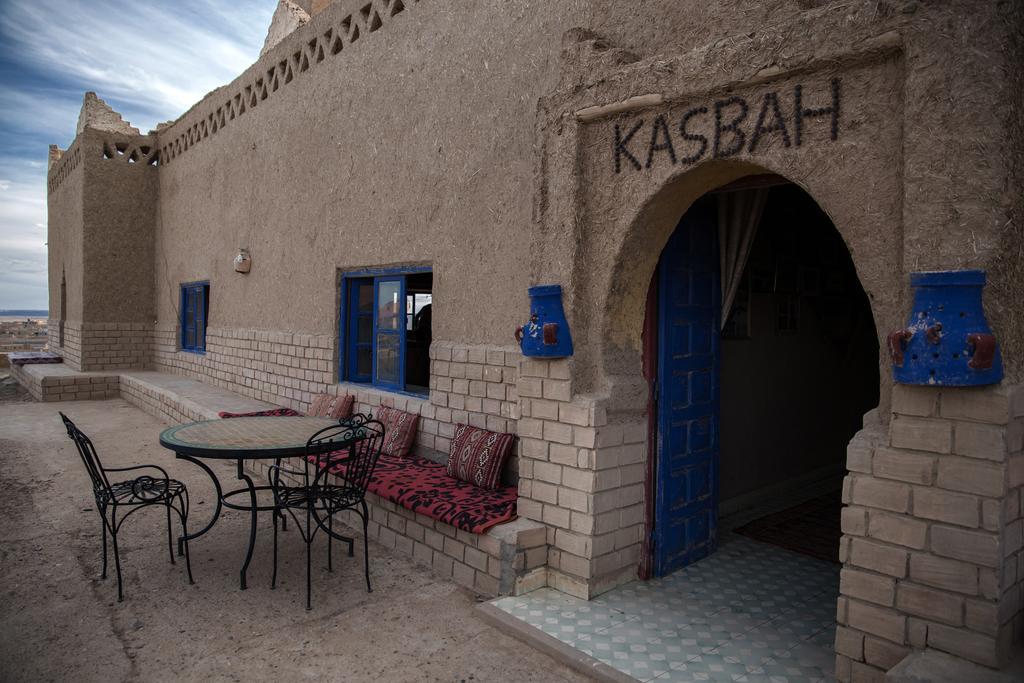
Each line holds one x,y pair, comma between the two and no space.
947,341
546,335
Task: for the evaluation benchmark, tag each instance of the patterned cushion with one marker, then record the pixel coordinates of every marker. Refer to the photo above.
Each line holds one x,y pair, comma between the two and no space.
424,487
278,412
478,455
399,430
335,407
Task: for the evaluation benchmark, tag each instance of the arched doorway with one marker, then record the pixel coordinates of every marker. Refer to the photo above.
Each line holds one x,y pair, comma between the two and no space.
753,402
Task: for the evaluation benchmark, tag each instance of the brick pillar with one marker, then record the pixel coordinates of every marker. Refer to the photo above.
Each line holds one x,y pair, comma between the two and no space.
932,530
581,477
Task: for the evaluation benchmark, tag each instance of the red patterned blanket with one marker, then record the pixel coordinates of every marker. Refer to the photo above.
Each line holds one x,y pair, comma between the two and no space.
424,486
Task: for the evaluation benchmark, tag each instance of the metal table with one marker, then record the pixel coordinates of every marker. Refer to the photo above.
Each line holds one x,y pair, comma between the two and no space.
241,439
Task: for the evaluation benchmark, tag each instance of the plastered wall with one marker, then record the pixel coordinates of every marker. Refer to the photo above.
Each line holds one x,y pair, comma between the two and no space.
461,168
64,238
446,133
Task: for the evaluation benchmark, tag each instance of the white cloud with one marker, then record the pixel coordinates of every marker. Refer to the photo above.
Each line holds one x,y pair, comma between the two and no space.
149,60
155,59
23,205
22,277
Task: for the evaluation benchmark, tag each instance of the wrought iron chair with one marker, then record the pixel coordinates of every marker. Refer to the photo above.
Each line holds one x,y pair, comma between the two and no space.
135,494
355,443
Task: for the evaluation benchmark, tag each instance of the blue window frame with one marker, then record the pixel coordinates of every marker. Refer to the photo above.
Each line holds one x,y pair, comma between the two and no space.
195,308
386,328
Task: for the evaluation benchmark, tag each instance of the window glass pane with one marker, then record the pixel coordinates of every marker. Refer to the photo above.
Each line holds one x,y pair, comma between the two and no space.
387,358
389,311
417,351
200,298
364,360
365,295
364,330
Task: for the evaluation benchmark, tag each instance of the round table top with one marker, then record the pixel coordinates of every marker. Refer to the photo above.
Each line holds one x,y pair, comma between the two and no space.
246,437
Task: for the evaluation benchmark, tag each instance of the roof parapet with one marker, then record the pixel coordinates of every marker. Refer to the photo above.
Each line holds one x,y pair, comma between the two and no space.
287,17
99,115
54,156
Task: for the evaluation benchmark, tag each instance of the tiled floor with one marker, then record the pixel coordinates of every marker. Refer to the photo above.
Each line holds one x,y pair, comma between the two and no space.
749,612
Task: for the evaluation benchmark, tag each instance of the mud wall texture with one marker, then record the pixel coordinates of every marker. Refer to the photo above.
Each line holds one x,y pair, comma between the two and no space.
413,138
101,240
118,215
507,143
64,238
458,167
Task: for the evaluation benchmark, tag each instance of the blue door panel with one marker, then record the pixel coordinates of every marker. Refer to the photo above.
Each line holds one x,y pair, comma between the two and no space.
700,386
686,505
679,340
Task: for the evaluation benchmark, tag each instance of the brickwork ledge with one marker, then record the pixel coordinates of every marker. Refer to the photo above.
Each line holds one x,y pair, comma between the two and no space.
508,559
170,397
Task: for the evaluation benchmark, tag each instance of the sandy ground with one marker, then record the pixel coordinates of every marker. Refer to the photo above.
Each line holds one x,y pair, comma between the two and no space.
59,621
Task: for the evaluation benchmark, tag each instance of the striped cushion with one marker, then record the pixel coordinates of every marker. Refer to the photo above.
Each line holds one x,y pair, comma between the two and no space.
477,456
335,407
399,430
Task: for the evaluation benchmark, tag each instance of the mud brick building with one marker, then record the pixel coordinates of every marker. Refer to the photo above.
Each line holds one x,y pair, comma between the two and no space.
452,154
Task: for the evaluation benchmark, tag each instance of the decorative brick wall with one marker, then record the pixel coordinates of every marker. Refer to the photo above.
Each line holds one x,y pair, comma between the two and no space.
71,351
474,385
103,346
43,385
278,367
115,346
932,531
581,476
498,562
1011,603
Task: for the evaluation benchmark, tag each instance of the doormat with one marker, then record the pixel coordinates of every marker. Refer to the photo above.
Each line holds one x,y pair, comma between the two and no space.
810,528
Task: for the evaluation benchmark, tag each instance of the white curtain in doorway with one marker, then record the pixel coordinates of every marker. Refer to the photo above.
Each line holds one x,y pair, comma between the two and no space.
739,214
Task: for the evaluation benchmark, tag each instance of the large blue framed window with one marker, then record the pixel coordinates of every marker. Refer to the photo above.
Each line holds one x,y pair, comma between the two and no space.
195,310
386,329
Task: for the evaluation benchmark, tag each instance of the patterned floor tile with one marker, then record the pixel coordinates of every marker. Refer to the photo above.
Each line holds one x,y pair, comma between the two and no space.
781,671
814,660
750,612
634,657
715,667
559,615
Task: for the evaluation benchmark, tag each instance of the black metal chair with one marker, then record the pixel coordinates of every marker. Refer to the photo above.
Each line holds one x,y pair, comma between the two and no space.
138,493
355,443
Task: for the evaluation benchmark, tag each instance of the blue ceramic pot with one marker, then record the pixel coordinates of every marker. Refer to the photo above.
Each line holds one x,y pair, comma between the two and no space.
947,341
546,335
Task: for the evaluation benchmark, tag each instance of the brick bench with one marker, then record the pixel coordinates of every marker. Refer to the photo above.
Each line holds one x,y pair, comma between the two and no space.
58,382
469,538
493,554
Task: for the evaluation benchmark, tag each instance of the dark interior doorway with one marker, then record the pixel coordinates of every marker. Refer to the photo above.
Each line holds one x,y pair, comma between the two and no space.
797,368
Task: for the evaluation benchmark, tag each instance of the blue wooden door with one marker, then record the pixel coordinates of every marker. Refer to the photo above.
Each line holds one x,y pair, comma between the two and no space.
689,295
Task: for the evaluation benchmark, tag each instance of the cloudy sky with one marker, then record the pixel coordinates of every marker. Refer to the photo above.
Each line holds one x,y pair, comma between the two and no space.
149,59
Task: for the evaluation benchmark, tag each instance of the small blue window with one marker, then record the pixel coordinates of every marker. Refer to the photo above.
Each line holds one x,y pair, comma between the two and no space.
195,309
386,329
